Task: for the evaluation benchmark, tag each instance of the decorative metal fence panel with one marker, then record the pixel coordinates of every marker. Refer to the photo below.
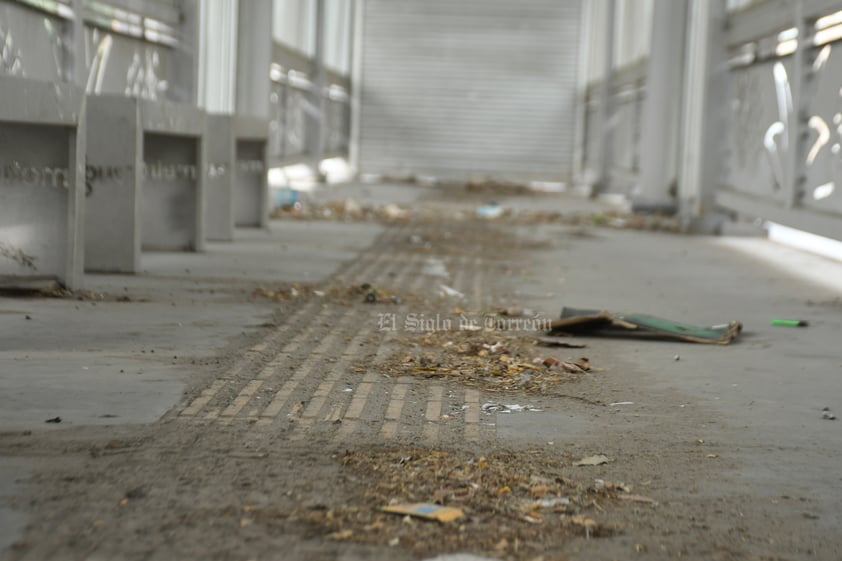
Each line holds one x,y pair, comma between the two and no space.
624,123
35,43
786,126
126,51
295,110
760,135
823,159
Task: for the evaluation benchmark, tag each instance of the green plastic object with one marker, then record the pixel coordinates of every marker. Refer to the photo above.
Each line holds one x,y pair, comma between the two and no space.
789,323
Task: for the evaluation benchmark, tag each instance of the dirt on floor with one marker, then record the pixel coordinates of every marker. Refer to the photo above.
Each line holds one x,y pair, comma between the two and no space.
361,397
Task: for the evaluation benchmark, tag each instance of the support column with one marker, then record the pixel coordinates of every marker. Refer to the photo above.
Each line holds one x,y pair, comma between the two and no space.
705,116
254,57
316,132
795,172
356,70
579,148
660,129
606,103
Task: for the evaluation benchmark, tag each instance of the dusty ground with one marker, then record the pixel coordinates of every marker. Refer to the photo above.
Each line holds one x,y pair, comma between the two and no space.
289,445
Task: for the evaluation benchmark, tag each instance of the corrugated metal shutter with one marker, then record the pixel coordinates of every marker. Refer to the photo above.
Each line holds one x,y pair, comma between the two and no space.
469,88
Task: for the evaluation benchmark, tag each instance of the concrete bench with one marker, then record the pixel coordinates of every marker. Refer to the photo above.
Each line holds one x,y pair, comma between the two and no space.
251,200
237,190
147,173
42,182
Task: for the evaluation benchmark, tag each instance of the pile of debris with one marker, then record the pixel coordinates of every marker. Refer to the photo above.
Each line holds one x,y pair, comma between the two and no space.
345,210
349,210
492,360
512,504
365,292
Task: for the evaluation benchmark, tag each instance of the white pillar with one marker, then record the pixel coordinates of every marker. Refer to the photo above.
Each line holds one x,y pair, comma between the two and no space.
660,128
316,132
254,57
706,113
606,105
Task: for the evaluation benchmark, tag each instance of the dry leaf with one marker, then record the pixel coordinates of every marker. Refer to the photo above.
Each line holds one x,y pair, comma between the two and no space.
583,521
638,499
571,367
341,535
539,491
593,460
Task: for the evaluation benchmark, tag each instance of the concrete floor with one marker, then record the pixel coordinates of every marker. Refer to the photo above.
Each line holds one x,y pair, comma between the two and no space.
106,362
111,362
766,393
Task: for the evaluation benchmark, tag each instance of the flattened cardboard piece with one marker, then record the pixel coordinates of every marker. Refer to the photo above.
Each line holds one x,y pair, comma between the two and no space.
574,320
427,511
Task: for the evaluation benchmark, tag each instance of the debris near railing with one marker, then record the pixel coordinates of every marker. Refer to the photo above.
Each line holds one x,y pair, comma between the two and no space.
349,210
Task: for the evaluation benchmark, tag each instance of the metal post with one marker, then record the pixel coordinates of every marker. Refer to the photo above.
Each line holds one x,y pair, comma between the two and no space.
606,103
77,42
660,128
794,169
317,120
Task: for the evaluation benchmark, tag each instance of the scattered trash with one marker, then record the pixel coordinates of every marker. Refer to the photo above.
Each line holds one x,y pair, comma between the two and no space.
826,414
621,403
426,511
287,199
491,210
712,456
676,358
492,407
514,503
790,323
53,420
560,342
448,292
597,460
607,323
